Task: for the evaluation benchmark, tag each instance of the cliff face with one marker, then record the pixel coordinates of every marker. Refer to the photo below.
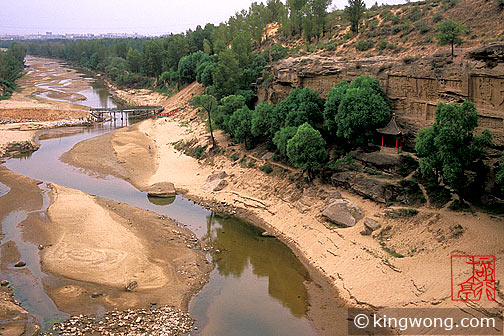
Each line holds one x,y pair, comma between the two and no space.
415,86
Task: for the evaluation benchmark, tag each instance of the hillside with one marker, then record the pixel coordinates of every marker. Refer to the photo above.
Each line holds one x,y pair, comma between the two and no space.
407,30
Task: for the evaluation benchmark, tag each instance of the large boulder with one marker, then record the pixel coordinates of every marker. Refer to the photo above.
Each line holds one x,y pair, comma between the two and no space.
370,225
216,182
342,212
163,189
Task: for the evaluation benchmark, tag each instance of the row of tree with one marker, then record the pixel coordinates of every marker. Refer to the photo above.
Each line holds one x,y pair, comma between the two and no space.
302,125
11,68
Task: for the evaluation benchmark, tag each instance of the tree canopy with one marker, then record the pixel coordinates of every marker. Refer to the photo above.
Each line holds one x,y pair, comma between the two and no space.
449,33
360,112
307,149
354,13
449,148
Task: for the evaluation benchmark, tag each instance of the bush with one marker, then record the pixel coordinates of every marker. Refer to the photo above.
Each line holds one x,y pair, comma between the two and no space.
277,52
438,17
364,45
415,15
422,26
234,157
267,169
405,28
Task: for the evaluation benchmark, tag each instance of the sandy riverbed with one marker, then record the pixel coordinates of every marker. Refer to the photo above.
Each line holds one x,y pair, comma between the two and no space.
356,265
93,245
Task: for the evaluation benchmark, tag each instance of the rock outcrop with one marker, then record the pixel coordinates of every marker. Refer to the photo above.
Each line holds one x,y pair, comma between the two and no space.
415,86
342,212
216,182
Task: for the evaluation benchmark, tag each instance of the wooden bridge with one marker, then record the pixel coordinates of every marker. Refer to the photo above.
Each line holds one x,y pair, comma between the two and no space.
133,112
141,112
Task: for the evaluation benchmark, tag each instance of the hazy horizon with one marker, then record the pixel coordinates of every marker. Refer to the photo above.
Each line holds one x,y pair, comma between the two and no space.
150,17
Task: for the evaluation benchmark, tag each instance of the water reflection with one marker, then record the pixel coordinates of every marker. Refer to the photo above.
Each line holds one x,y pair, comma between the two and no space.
162,201
255,281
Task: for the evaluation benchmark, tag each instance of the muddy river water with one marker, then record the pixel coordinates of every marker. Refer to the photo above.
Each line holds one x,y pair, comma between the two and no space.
258,286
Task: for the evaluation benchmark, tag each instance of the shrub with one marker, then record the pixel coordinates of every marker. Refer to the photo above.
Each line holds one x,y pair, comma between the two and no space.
383,45
415,15
364,45
438,17
234,157
267,169
422,26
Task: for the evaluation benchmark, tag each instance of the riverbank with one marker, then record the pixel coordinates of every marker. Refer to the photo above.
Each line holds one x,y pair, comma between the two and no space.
414,270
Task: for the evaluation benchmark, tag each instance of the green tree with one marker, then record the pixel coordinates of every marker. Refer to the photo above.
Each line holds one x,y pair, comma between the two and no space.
188,65
295,15
371,83
133,60
354,13
282,137
449,148
302,105
152,58
360,112
315,17
204,73
449,33
307,149
228,106
275,11
226,75
332,104
242,48
261,120
209,104
240,125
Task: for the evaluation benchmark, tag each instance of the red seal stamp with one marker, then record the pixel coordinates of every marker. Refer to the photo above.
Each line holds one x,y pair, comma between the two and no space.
472,277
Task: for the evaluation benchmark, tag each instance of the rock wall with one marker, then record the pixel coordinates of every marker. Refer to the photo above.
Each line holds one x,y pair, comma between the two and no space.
415,86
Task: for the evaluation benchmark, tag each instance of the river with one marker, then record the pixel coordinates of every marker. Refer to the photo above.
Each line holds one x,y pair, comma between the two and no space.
258,286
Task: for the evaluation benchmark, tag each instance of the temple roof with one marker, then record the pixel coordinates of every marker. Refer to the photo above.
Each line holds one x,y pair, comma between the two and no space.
392,128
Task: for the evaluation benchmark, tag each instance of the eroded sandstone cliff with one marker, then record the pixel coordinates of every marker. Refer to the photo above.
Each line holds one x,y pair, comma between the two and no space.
415,86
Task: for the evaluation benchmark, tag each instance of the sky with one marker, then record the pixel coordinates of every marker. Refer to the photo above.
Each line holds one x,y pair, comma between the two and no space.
146,17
